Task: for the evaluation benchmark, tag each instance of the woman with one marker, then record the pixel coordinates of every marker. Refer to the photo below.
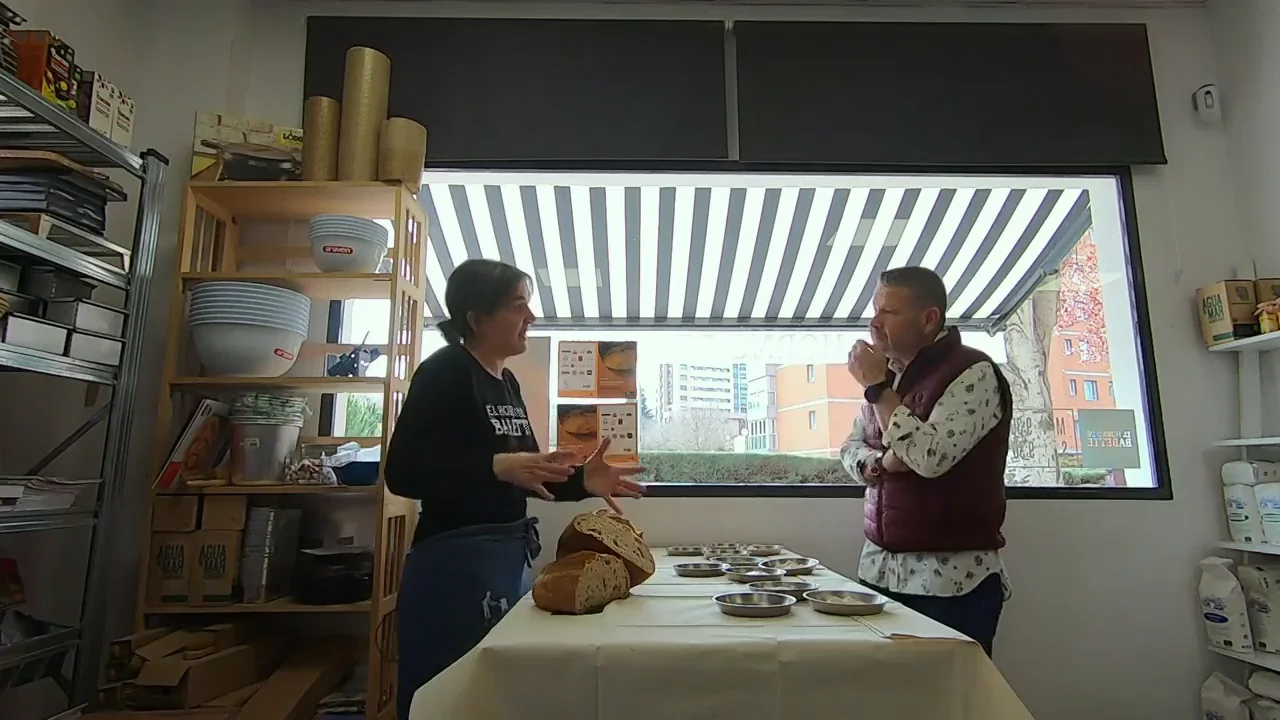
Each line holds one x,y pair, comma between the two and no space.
463,445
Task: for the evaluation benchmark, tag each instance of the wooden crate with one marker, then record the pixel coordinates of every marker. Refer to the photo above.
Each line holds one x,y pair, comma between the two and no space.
216,245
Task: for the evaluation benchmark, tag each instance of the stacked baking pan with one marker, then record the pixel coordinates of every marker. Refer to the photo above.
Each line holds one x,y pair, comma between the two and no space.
8,54
68,196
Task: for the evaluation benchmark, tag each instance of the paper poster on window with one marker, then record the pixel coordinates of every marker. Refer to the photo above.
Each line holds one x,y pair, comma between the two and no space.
597,370
1109,439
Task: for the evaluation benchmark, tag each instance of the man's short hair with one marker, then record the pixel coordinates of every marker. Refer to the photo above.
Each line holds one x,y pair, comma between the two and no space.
926,287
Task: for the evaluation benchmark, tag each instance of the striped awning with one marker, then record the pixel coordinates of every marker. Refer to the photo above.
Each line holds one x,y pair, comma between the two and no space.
735,250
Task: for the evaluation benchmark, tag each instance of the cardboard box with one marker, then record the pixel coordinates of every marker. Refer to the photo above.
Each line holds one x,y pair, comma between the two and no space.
175,513
217,567
311,673
179,681
123,661
582,428
96,102
224,512
169,576
1227,310
122,126
1266,289
47,65
214,130
596,370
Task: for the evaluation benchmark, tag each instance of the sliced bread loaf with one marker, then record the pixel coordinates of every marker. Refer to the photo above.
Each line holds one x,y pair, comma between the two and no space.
580,583
596,533
608,513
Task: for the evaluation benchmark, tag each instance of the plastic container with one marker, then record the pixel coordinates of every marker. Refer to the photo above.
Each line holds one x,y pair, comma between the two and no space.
259,452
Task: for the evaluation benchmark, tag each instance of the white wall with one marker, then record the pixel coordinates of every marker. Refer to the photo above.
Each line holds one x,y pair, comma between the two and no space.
1103,622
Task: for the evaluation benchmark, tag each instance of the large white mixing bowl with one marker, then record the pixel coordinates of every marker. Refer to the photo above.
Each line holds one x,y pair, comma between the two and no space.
237,349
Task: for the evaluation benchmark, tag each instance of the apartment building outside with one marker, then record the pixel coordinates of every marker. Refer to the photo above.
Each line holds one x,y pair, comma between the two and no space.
1075,383
816,405
762,409
721,388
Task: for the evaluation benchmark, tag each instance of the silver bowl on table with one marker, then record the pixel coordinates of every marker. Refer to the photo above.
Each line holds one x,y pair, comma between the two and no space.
794,588
751,574
755,604
685,551
846,602
699,569
792,565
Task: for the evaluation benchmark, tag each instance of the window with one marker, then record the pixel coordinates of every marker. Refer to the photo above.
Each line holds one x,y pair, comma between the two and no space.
1067,347
699,307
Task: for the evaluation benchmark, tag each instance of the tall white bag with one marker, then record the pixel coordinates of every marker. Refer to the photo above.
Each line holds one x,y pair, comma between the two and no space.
1223,699
1223,606
1239,478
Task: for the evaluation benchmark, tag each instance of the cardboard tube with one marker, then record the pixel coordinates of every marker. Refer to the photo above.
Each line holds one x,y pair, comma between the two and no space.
321,120
402,152
365,88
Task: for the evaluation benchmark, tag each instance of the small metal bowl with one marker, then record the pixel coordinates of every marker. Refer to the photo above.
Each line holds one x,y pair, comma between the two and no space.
721,549
755,604
792,565
764,550
685,551
846,602
751,574
699,569
734,560
794,588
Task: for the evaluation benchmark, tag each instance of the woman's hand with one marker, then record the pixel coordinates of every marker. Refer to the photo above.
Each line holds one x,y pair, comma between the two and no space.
608,481
530,470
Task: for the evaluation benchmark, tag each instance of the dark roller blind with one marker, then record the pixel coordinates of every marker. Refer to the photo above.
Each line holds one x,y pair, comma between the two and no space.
947,94
521,90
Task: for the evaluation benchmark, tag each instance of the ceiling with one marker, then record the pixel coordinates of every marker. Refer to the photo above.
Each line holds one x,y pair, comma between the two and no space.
1096,4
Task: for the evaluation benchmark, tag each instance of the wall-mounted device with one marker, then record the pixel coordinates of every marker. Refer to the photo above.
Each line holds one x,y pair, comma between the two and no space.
1206,102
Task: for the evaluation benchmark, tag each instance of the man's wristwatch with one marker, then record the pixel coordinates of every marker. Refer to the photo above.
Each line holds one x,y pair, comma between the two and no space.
873,392
873,466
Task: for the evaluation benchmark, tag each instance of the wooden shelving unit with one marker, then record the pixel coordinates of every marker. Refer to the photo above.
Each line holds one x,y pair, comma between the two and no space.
214,247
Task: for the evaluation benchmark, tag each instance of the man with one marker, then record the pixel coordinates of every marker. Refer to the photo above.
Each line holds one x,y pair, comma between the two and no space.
930,445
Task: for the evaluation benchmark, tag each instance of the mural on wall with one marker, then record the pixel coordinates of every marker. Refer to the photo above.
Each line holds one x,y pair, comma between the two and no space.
1080,301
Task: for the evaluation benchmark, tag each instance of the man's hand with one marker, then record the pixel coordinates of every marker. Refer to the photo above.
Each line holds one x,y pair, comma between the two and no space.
867,364
892,463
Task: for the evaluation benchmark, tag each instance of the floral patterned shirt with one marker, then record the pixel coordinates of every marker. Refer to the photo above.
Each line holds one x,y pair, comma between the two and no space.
931,447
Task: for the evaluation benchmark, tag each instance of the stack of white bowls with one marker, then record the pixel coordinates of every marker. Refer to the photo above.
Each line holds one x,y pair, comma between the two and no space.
347,244
243,329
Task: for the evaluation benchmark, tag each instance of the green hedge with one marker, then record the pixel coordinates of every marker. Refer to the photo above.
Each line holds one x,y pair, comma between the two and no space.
739,468
729,468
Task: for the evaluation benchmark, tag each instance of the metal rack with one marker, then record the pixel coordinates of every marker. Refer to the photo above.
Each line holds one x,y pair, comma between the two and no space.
28,122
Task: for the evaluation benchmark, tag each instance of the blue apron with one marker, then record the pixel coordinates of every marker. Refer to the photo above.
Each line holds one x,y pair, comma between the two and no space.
457,586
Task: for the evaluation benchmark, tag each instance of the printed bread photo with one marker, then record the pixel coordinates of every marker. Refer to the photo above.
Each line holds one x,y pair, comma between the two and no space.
581,583
601,534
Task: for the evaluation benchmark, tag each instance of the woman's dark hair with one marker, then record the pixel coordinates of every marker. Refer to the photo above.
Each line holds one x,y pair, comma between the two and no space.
476,288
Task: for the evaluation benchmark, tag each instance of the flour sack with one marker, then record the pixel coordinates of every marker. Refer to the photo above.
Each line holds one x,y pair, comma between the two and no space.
1222,699
1261,586
1223,606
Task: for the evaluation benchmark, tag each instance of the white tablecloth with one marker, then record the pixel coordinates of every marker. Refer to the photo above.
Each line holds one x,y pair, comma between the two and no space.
668,653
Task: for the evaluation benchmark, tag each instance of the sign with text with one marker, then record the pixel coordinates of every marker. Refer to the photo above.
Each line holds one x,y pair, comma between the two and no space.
1109,439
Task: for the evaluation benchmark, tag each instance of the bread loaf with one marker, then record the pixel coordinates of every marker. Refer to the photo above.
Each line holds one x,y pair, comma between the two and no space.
580,583
608,513
596,533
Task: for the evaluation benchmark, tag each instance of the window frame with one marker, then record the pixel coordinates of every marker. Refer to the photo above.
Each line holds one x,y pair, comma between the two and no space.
1094,385
1123,176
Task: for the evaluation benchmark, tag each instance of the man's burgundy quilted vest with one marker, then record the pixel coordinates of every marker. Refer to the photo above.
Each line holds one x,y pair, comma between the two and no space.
963,509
